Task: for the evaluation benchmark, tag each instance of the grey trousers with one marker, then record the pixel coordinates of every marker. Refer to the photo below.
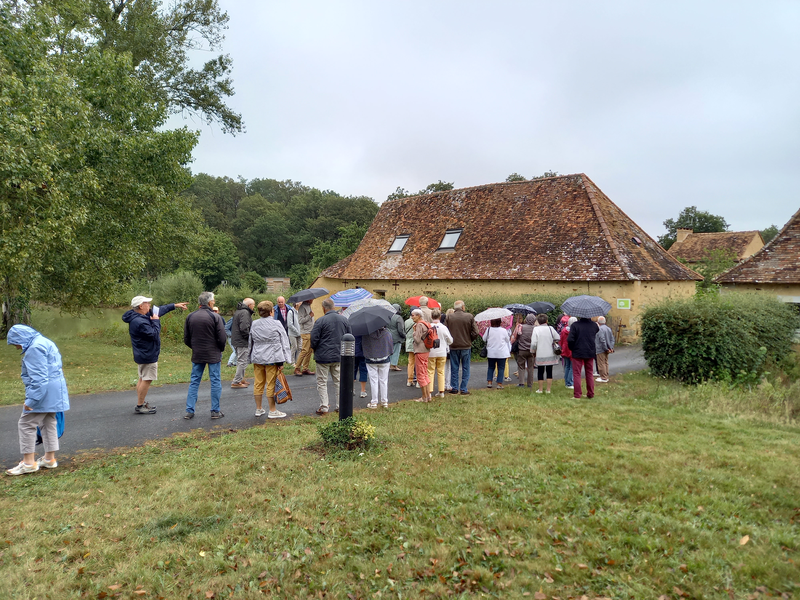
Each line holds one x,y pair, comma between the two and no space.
242,360
27,425
322,382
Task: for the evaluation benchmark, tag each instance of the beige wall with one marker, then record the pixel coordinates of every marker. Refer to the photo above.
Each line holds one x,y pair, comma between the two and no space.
754,246
786,291
640,293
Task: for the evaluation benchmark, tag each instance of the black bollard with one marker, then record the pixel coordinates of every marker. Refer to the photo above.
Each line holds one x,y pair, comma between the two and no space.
346,367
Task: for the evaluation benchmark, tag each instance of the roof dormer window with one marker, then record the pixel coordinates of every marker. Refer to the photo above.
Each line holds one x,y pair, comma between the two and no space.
450,239
399,243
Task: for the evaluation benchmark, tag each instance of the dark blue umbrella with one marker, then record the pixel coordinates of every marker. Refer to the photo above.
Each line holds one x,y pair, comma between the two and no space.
348,297
308,294
585,306
370,319
520,309
542,307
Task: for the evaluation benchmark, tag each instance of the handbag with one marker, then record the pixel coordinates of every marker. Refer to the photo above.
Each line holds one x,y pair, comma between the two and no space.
282,391
515,345
484,352
556,347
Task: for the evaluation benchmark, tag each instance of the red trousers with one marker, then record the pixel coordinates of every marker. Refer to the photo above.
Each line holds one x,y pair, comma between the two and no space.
588,366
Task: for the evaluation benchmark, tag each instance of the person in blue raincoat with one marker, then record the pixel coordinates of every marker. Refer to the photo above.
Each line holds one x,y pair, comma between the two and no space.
45,395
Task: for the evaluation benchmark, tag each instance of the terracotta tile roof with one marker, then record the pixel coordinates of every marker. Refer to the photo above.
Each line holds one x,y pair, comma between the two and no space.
777,262
696,245
556,229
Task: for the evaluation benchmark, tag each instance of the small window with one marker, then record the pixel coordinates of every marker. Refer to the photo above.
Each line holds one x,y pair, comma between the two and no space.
399,243
450,239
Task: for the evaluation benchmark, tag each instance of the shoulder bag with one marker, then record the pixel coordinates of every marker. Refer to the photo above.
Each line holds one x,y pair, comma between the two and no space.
282,391
556,344
484,353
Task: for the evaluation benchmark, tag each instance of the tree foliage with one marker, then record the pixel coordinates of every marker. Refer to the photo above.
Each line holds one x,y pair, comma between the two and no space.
439,186
90,177
769,233
698,221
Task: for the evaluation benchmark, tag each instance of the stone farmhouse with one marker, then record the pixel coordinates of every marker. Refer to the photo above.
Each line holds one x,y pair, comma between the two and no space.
693,247
554,235
775,269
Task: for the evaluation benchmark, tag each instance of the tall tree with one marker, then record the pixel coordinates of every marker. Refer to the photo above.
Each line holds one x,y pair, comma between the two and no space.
89,176
698,221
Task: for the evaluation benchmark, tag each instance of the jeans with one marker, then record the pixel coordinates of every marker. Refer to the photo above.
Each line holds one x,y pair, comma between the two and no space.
459,362
194,385
396,354
567,371
360,370
500,364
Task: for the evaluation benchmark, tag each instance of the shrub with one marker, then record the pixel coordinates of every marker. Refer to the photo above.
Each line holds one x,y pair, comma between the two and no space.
182,286
227,297
729,337
254,281
348,434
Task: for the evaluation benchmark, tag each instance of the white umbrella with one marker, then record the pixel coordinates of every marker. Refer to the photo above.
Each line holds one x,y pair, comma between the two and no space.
493,313
356,306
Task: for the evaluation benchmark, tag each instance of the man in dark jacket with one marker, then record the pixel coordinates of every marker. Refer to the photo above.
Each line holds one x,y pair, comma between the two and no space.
144,327
464,329
204,333
326,342
240,339
581,343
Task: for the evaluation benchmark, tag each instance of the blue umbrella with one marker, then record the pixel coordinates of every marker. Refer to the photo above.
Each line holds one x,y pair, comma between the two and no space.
585,306
348,297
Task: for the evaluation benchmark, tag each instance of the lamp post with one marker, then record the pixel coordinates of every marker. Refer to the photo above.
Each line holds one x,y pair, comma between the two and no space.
346,367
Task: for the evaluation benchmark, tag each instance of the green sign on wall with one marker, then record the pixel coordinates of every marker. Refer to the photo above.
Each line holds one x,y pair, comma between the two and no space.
624,303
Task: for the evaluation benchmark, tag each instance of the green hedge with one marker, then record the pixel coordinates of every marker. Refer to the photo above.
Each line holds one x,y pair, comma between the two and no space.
729,337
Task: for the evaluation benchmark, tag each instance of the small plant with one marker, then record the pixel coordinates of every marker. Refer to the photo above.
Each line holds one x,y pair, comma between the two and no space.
347,434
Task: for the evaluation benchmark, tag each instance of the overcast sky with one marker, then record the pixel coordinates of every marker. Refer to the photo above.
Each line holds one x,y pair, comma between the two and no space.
662,104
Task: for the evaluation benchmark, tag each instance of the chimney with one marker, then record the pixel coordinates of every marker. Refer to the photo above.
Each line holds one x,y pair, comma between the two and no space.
683,234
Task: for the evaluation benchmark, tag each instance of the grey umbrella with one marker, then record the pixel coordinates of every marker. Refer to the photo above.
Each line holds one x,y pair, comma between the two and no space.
369,319
585,306
519,309
308,294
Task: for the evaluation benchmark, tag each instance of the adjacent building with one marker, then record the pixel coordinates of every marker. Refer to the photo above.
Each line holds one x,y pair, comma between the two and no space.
554,235
692,248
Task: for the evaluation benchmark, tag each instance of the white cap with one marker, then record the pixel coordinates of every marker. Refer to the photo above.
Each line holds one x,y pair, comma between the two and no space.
137,300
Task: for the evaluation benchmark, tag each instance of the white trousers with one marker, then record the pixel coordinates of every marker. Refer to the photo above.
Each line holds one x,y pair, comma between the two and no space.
379,382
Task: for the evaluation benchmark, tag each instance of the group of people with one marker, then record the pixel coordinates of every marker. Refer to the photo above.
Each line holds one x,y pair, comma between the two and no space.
438,345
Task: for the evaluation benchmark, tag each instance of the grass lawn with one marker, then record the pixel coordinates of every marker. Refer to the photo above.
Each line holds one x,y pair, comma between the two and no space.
496,494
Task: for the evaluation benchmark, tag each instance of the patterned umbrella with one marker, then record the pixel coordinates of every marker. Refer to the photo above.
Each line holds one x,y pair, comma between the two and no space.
505,322
522,309
308,294
348,297
414,301
585,306
356,306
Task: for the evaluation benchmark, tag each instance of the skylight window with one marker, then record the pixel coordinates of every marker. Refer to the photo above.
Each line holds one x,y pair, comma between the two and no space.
399,243
450,239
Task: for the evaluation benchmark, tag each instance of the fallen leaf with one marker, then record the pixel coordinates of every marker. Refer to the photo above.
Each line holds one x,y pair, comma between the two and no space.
582,566
202,552
540,596
683,568
116,586
744,540
210,594
140,592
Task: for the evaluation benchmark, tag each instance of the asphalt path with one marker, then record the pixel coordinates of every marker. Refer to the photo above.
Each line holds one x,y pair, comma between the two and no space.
106,421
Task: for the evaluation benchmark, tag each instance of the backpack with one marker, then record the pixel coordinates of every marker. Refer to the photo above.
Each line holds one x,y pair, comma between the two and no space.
229,327
431,337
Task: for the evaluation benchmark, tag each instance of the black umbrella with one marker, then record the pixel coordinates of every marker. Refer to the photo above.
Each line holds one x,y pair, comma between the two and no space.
308,294
519,309
585,306
542,307
370,319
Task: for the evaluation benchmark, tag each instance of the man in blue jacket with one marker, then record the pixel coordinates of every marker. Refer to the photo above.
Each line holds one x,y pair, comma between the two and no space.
45,395
144,326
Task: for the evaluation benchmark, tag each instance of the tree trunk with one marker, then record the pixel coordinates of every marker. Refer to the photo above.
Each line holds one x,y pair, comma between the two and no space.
16,309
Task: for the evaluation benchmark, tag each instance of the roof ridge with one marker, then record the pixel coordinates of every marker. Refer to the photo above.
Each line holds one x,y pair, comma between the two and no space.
604,227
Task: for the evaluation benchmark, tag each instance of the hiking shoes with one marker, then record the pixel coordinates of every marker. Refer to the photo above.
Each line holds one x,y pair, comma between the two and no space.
144,409
188,415
216,414
47,464
22,469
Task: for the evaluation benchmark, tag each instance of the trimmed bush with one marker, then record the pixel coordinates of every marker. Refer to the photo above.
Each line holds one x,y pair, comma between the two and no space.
729,337
347,434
